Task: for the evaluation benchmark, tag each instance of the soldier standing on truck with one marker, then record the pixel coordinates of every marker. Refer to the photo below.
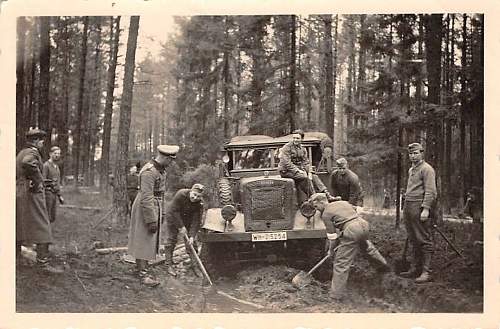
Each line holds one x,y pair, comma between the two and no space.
419,198
345,183
147,212
348,234
32,220
294,164
51,180
184,214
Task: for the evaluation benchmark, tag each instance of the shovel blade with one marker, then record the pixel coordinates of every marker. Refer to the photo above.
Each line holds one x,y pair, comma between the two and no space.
301,280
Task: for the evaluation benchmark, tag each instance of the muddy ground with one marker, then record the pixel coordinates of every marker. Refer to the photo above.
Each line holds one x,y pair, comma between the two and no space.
106,283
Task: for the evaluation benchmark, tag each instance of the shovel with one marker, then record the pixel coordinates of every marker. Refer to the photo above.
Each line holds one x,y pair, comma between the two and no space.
205,274
302,278
447,241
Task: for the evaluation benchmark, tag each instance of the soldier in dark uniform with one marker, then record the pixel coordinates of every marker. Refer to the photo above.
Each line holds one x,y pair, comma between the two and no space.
148,210
419,199
345,183
51,179
32,219
184,214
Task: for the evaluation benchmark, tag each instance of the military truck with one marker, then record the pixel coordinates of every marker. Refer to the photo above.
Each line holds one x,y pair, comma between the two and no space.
258,218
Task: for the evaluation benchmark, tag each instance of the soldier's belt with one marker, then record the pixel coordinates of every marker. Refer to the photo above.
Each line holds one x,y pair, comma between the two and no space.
158,194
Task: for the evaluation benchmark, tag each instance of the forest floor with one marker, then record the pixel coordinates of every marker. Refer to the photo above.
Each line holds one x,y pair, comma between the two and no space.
105,283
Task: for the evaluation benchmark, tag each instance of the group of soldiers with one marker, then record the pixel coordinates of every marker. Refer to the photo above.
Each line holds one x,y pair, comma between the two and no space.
37,188
346,230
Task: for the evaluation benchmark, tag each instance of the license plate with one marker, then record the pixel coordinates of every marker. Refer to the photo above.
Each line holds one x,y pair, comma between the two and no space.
268,236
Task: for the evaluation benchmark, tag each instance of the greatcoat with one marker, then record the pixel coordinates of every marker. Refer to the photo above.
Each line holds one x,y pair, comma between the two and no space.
32,220
147,208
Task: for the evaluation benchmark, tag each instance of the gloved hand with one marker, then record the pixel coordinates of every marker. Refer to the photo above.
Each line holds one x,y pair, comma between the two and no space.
191,240
61,199
153,227
183,230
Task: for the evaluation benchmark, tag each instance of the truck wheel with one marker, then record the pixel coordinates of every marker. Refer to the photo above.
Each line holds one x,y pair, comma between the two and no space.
225,192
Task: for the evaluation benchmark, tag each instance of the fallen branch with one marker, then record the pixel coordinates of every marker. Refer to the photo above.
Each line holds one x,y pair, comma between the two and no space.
71,206
103,251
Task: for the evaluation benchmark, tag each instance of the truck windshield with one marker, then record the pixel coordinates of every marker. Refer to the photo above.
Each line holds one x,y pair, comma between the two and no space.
253,158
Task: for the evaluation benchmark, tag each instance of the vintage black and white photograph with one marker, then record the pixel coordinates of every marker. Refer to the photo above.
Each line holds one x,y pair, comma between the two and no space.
280,163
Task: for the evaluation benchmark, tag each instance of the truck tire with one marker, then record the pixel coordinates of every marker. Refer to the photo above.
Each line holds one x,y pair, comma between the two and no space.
225,192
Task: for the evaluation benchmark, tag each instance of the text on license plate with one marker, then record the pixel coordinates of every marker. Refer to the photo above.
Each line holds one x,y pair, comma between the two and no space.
268,236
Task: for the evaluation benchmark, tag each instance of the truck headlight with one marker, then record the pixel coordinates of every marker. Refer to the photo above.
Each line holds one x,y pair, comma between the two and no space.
228,212
307,209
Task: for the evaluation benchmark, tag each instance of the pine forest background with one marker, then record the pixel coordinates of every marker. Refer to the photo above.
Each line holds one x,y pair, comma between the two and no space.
373,82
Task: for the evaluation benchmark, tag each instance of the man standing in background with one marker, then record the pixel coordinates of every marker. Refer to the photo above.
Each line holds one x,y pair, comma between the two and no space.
419,199
51,180
345,183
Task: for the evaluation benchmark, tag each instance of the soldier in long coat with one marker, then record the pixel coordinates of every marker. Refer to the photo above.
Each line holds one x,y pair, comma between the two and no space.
147,211
32,220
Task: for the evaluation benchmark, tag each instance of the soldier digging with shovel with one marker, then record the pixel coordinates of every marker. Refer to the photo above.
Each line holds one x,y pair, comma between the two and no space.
352,237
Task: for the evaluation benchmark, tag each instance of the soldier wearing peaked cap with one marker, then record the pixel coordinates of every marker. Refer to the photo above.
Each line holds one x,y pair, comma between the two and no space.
184,214
147,211
419,198
32,219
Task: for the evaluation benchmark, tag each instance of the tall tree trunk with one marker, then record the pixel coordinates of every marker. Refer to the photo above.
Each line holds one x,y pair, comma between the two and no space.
62,124
334,80
81,88
32,116
120,203
95,107
44,115
114,42
226,76
20,109
293,69
433,37
463,178
329,110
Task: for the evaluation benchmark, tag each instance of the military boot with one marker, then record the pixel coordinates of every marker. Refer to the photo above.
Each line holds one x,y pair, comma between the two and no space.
413,272
44,265
376,259
426,270
143,274
169,268
42,259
